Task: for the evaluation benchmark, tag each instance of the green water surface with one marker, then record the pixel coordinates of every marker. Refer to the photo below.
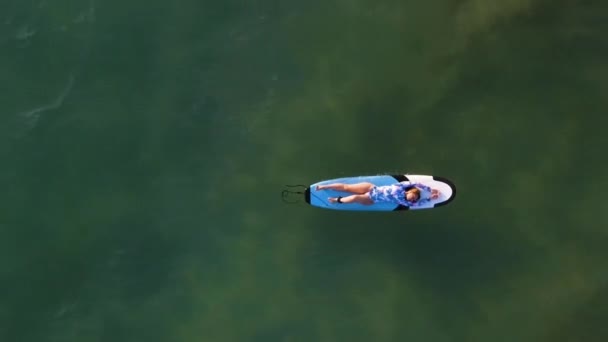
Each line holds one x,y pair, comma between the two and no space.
144,146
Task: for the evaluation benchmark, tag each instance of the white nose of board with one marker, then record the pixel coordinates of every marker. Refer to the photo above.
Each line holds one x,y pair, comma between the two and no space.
447,190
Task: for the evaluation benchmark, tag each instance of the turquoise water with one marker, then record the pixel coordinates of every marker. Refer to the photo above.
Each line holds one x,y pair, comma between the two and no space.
144,147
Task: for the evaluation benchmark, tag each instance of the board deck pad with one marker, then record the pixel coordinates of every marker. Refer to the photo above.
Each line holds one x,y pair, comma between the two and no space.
319,198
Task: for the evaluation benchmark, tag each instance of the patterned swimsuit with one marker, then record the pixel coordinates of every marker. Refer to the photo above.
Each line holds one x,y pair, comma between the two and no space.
395,193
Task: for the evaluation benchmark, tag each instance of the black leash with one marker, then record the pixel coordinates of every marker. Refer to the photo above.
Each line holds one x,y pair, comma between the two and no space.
286,193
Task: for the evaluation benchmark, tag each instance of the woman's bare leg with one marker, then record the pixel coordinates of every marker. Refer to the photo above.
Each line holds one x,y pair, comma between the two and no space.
358,188
361,199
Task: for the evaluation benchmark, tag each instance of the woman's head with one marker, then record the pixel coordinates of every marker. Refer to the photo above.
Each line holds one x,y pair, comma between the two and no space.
412,195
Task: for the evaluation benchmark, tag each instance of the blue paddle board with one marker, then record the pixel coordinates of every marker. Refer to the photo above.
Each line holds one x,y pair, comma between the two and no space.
319,198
